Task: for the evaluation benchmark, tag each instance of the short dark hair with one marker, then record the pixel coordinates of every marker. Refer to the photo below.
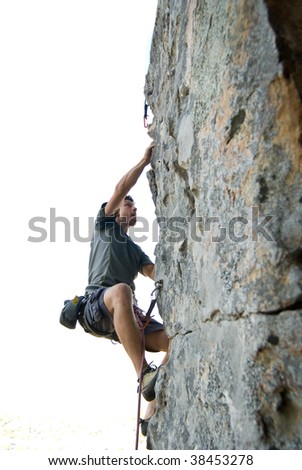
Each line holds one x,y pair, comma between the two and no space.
126,198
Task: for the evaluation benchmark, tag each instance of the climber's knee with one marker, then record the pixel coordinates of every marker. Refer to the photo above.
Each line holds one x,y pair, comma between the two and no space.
119,294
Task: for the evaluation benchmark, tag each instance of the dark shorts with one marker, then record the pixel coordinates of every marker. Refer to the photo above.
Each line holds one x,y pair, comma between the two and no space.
96,318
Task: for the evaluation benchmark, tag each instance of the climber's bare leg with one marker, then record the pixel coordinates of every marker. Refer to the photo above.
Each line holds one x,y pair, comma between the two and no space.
118,300
156,342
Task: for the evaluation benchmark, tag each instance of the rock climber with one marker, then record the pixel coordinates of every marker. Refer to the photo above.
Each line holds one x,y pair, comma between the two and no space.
111,309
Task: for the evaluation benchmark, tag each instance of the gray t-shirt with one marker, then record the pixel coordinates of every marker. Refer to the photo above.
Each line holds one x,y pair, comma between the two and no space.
114,257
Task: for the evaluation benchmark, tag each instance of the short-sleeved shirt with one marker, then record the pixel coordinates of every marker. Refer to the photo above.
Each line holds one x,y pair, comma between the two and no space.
114,257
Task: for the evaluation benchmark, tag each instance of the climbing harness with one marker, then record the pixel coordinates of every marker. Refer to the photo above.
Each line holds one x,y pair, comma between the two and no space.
146,114
154,294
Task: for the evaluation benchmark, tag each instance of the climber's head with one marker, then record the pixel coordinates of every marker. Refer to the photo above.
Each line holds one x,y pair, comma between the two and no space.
126,215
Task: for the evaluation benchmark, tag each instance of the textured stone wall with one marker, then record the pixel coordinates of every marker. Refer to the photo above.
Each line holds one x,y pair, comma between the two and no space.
224,85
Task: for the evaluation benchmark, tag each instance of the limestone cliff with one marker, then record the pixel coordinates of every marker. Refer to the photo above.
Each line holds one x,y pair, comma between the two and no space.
225,87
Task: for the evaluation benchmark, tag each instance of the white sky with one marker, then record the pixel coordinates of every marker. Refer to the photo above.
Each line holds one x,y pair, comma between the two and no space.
71,91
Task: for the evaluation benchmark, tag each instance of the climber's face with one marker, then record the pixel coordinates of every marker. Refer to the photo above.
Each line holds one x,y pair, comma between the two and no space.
127,214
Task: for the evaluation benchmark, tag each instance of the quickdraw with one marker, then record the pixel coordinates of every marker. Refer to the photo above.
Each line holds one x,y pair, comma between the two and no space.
146,114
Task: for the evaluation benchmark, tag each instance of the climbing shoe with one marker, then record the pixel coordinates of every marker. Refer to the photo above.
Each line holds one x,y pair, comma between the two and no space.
149,378
144,426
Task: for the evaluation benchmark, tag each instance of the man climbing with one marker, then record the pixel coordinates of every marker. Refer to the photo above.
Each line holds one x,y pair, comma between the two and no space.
115,260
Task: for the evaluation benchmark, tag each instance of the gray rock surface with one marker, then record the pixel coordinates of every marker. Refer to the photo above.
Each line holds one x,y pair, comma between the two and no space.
224,85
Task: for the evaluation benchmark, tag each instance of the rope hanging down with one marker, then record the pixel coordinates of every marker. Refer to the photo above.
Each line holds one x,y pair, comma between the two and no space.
154,294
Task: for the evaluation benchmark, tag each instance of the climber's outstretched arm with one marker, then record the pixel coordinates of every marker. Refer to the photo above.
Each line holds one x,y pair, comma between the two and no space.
127,182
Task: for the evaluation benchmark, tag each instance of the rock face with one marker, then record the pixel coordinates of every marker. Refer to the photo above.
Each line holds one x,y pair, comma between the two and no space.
225,87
